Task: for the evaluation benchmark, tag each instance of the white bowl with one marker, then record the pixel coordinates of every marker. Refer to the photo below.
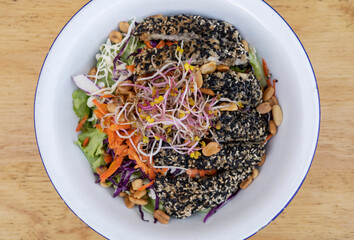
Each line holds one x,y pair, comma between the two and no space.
289,153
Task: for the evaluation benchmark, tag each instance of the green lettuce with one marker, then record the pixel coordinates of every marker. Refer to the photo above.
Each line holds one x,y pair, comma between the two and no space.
93,151
80,103
257,67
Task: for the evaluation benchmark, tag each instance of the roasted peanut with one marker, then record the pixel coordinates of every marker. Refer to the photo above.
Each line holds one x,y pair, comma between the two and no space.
137,183
124,89
198,79
268,93
274,100
139,194
104,184
272,127
100,170
246,182
277,115
128,203
207,91
124,27
115,37
92,72
141,202
263,158
208,68
245,45
229,107
111,107
122,194
211,149
222,68
157,16
264,108
161,216
255,173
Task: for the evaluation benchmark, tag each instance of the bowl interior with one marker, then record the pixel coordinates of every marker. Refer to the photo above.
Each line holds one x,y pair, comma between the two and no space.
289,153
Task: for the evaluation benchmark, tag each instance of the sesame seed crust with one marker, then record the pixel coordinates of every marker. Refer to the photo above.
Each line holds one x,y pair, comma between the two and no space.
231,156
239,87
182,196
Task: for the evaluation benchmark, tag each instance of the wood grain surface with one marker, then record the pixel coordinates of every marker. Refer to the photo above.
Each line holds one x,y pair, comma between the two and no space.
30,208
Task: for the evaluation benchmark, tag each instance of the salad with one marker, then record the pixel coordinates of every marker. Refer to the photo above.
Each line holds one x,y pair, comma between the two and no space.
176,114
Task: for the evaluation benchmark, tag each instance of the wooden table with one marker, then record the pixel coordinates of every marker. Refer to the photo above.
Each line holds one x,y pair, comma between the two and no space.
30,208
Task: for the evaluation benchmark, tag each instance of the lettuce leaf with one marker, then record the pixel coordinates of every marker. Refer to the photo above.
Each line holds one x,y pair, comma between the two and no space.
93,151
80,103
257,67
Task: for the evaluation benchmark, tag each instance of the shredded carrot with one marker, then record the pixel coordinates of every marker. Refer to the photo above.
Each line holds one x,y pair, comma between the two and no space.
81,123
135,139
130,68
112,168
161,44
193,172
107,96
134,156
169,43
100,106
116,127
268,137
274,83
146,185
108,158
111,135
120,149
86,142
147,43
98,113
266,72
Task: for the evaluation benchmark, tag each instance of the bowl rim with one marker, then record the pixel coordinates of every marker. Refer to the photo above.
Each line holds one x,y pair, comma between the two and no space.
292,197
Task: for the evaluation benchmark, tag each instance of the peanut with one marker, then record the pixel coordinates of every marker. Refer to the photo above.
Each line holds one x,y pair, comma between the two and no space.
161,216
139,194
229,107
222,68
122,194
157,16
246,182
207,91
263,158
141,202
124,89
115,37
103,184
128,203
92,72
198,79
208,68
100,170
245,45
255,173
211,149
111,107
124,27
137,183
264,108
272,127
268,93
275,100
277,115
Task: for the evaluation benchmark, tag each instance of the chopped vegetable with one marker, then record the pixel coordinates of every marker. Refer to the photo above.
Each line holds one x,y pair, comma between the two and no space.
257,67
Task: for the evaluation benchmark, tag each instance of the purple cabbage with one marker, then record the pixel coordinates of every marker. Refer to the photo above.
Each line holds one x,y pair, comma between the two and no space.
153,43
142,214
216,208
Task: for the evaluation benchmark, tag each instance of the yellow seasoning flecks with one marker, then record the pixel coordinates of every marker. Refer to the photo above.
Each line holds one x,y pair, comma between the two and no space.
139,109
218,127
191,101
145,139
192,154
197,154
203,144
181,114
179,49
169,140
188,67
240,104
157,137
196,138
150,120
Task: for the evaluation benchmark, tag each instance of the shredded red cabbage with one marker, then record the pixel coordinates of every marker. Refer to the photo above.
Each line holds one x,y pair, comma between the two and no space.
153,43
142,214
215,209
